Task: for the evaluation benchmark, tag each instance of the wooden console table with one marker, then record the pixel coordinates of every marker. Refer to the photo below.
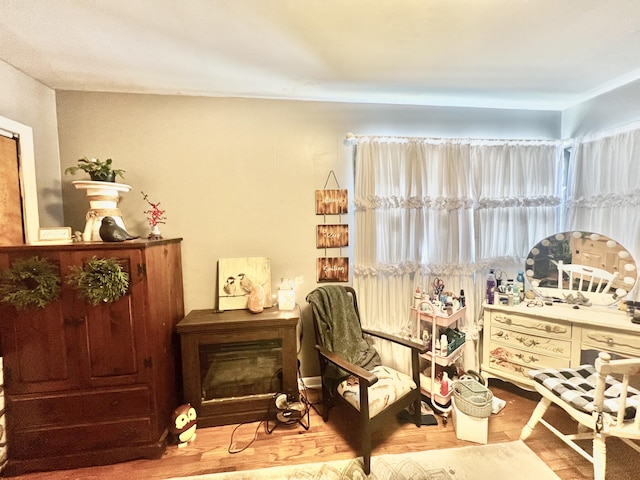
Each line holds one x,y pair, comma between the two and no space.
234,362
521,338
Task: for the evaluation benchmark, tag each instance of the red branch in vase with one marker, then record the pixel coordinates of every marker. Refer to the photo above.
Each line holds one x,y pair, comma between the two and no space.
155,214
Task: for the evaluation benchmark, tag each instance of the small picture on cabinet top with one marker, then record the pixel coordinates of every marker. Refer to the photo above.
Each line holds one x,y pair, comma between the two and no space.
238,277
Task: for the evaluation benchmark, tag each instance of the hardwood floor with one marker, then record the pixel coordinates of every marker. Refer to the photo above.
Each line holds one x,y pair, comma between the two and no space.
337,439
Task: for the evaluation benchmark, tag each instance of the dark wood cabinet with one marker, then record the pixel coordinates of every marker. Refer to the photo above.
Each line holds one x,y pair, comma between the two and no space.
234,362
85,384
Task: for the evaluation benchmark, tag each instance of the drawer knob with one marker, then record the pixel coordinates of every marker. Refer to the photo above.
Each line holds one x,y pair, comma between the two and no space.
610,341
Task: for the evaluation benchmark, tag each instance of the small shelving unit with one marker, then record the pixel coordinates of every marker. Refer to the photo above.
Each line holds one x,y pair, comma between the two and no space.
429,318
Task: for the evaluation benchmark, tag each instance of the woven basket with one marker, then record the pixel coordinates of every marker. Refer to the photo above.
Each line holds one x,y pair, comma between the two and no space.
472,398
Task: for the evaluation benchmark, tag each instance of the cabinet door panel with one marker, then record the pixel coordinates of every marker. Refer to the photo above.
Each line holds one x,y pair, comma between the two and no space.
38,343
43,355
111,340
114,333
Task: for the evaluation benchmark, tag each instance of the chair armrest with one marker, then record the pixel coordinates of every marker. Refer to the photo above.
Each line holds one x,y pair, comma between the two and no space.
421,348
364,376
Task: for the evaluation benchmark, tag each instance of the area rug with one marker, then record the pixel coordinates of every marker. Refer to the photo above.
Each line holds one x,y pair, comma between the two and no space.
499,461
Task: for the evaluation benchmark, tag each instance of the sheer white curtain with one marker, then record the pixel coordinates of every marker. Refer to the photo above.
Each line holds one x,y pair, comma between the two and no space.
603,191
427,208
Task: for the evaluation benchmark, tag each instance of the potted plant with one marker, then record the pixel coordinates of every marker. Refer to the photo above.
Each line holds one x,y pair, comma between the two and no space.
98,170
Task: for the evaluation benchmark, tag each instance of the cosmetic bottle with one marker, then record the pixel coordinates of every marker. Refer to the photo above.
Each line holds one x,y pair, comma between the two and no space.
491,286
444,384
520,281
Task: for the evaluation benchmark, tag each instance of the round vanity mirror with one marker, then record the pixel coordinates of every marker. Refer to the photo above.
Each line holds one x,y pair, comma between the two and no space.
581,267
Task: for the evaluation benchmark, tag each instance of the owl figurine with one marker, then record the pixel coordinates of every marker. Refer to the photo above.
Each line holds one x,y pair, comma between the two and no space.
183,424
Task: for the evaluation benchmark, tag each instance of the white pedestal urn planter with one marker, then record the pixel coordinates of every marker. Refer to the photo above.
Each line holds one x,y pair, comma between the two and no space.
103,200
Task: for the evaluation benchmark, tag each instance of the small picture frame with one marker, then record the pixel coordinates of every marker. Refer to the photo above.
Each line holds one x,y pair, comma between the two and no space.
54,235
234,277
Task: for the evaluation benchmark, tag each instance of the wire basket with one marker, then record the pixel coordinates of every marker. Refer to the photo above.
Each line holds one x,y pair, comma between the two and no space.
472,398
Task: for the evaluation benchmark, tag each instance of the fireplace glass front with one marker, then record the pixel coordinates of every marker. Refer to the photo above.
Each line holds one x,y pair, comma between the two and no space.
240,369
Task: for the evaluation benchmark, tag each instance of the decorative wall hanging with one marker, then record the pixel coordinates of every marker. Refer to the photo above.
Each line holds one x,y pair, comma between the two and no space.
30,282
332,269
332,202
100,280
332,236
242,278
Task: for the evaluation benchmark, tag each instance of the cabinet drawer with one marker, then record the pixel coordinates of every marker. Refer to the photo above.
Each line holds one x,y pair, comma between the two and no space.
536,344
531,325
52,441
513,359
75,408
611,341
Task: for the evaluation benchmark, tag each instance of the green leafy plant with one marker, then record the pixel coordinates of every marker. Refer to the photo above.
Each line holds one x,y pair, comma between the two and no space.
100,280
98,170
29,283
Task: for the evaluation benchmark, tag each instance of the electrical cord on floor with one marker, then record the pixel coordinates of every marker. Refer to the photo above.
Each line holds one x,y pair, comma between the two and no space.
305,394
255,436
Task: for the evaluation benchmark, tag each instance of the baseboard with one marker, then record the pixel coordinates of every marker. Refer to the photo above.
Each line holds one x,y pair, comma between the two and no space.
310,382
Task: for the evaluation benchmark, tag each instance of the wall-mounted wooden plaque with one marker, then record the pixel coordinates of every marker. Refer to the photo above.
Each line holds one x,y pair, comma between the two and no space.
332,236
332,202
332,269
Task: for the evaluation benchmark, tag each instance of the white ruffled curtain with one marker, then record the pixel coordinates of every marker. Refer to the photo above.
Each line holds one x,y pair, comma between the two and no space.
603,190
448,209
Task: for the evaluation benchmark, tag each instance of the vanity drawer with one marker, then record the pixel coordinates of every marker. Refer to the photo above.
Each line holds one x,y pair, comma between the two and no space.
507,358
611,341
531,325
548,346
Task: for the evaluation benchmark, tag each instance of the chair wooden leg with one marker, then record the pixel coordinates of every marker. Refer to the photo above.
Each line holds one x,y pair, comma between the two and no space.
599,457
326,402
366,452
537,414
417,412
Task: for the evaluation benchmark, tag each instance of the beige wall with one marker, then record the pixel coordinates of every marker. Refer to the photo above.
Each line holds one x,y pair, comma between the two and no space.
237,176
26,101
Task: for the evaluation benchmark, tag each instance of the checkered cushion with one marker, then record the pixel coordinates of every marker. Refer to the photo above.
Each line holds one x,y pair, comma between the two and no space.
390,386
577,387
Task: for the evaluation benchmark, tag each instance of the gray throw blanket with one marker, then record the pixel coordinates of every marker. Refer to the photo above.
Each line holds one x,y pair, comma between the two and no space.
340,330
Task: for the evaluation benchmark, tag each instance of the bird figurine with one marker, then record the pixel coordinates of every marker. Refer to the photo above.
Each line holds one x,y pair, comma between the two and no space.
112,232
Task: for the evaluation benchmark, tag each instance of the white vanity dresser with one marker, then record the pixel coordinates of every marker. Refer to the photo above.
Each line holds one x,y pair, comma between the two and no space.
543,333
521,338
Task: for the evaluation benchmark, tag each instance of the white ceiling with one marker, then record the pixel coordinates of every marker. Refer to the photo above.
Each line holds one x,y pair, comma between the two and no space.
537,54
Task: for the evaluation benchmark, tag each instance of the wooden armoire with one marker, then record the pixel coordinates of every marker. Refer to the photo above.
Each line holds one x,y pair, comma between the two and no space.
90,385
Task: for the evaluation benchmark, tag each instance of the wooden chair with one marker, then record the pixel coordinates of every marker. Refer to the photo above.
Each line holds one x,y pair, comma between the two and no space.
386,391
602,404
584,278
